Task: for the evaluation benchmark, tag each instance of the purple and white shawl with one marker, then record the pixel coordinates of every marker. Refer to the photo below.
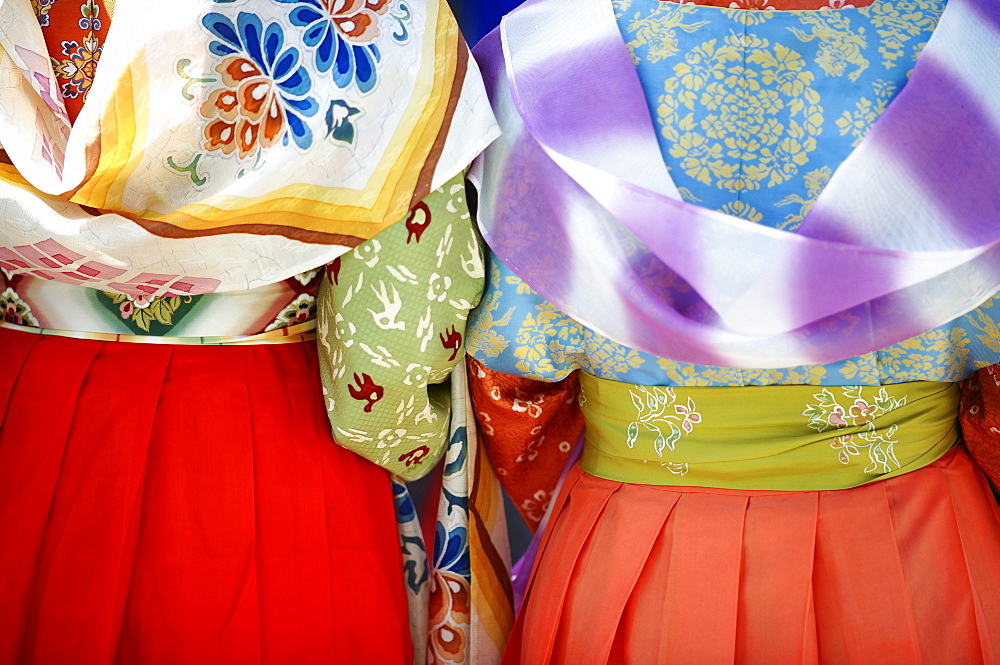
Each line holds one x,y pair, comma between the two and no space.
577,201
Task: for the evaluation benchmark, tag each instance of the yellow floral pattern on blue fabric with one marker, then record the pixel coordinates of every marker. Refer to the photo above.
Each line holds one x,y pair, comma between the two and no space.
542,342
752,106
754,110
721,109
532,338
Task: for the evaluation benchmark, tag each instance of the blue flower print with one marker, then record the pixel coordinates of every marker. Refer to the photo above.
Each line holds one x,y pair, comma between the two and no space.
342,33
264,94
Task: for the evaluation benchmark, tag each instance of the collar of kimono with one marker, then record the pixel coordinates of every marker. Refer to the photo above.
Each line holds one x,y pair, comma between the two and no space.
321,122
903,239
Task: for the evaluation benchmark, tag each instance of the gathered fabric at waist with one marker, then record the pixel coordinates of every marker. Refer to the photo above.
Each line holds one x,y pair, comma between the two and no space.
274,313
789,438
303,332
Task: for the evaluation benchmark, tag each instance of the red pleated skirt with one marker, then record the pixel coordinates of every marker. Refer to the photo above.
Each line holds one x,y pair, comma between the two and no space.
901,571
187,505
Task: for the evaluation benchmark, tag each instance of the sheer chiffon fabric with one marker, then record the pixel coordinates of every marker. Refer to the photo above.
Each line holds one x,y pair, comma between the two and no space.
902,571
187,504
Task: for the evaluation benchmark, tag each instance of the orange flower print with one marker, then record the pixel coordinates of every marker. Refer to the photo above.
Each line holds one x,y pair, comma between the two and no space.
450,609
79,66
247,112
357,20
264,94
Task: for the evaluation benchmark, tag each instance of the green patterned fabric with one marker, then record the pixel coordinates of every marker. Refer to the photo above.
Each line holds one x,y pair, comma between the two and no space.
394,311
796,438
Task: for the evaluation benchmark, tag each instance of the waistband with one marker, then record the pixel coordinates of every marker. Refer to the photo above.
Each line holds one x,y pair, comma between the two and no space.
302,332
795,438
278,313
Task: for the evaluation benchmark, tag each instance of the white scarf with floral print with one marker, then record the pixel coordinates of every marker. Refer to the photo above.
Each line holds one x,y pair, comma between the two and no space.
229,144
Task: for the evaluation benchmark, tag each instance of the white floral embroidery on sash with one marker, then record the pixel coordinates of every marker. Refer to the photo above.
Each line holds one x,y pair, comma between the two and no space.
859,412
657,410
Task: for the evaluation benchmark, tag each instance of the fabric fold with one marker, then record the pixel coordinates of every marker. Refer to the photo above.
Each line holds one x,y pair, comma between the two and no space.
101,481
885,604
29,476
707,538
977,528
776,622
552,583
638,274
607,569
214,520
926,580
905,568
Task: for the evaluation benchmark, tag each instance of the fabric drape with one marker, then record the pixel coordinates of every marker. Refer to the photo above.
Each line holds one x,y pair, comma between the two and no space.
187,504
714,576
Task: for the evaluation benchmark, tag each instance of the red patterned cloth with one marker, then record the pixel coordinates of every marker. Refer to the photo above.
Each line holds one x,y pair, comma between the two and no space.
528,429
74,32
980,418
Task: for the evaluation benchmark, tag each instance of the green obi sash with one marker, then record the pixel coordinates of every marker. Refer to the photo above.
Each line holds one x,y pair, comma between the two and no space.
765,438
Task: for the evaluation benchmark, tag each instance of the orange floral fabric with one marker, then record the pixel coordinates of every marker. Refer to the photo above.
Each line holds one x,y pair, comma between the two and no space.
528,429
980,419
74,32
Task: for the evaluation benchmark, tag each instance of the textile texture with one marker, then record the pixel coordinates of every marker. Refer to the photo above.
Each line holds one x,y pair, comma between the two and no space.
765,438
896,244
902,571
391,327
302,129
470,592
169,504
215,134
769,126
74,33
763,153
980,420
528,429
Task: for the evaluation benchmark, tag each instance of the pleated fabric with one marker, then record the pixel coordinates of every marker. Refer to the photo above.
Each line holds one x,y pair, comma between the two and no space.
187,504
896,572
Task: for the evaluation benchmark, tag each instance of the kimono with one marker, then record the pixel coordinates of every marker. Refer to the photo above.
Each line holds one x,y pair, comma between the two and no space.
236,261
708,273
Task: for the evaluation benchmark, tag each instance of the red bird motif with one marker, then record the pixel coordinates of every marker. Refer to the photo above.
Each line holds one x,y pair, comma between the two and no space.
453,341
415,456
333,271
415,229
366,391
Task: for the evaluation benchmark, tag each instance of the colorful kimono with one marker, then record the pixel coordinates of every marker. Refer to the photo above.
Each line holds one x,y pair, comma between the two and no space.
205,289
764,382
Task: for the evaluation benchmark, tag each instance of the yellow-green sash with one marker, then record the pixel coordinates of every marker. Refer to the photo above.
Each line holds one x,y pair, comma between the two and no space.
765,438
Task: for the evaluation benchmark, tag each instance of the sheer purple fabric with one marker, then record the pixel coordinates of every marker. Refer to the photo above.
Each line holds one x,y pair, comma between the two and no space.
577,201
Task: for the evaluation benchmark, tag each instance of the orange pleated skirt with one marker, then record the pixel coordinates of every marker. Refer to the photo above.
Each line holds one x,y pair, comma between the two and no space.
902,571
186,505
